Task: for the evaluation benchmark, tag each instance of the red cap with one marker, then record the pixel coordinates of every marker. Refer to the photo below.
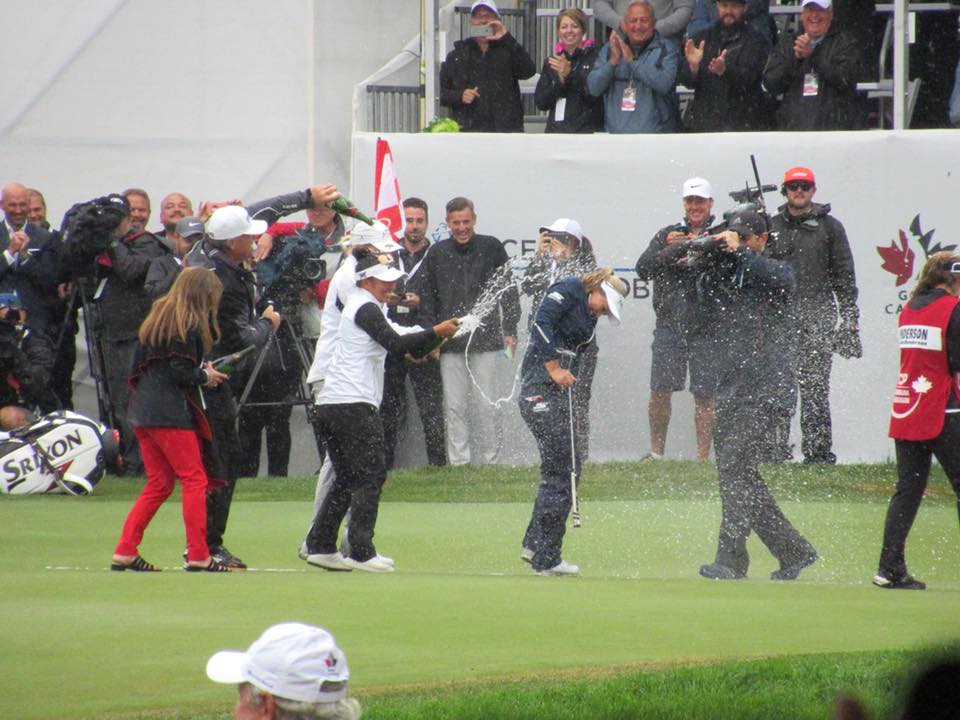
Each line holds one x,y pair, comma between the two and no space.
801,174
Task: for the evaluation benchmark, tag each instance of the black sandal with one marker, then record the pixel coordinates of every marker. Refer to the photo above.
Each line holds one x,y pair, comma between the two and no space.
213,566
138,564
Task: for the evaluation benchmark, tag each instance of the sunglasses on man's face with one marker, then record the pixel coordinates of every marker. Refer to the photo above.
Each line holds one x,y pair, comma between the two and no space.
794,186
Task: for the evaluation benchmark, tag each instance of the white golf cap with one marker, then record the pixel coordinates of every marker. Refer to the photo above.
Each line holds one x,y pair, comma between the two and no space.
489,4
377,266
614,302
290,660
823,4
376,235
232,221
565,225
698,187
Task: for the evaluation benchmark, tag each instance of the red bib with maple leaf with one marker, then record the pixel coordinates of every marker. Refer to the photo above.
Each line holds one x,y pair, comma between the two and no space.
925,381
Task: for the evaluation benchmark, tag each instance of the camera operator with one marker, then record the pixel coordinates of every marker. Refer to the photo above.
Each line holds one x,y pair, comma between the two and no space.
750,296
110,259
292,265
25,363
228,246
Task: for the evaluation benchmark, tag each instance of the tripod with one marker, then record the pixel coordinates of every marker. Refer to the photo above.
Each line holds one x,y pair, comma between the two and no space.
288,359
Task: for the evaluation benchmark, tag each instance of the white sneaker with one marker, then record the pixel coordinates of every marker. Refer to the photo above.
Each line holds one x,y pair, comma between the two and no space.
328,561
374,564
385,559
561,569
302,552
526,554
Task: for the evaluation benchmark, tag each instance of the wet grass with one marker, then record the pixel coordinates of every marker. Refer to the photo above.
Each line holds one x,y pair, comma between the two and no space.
463,629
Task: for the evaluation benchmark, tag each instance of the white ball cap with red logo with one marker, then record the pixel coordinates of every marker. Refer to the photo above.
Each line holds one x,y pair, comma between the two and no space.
290,660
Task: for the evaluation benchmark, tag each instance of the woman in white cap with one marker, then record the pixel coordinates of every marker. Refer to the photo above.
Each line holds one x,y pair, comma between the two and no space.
349,416
293,671
565,323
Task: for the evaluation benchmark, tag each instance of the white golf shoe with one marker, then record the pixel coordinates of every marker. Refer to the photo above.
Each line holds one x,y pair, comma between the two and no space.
561,569
377,563
328,561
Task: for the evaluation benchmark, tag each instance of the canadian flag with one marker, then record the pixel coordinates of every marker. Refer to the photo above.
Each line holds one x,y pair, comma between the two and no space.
387,191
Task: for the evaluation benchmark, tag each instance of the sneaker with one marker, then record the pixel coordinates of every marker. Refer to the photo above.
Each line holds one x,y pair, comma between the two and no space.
374,564
526,554
652,456
792,571
904,582
225,557
328,561
385,559
716,571
302,551
561,569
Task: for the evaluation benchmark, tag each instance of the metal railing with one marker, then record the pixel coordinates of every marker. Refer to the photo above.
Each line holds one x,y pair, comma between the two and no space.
393,108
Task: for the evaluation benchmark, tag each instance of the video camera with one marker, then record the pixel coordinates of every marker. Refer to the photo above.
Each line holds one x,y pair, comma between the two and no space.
298,266
89,226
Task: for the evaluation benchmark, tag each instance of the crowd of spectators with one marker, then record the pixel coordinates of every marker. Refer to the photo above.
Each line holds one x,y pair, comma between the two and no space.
742,70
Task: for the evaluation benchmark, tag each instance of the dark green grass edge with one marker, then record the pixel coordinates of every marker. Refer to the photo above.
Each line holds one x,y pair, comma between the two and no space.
803,687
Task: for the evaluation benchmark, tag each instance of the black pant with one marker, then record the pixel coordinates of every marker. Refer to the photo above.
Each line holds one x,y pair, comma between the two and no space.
61,379
275,419
814,362
428,390
546,411
118,359
913,470
222,416
747,502
353,434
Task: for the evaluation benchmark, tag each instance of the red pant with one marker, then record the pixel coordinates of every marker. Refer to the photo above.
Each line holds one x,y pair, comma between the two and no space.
169,453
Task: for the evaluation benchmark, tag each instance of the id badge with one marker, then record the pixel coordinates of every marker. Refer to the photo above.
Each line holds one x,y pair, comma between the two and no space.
629,101
402,309
811,85
560,109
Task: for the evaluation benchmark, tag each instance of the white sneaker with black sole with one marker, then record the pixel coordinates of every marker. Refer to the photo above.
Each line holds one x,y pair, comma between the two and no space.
328,561
561,569
376,564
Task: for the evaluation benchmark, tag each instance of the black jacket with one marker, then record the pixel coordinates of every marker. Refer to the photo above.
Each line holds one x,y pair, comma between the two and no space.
732,101
750,296
674,283
583,112
837,64
453,277
166,384
123,301
816,247
409,262
162,272
495,73
35,278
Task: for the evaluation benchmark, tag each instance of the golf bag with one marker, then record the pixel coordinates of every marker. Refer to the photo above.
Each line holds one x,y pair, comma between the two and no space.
63,452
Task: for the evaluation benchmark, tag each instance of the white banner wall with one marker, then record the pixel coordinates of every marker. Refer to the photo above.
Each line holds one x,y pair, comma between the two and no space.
891,190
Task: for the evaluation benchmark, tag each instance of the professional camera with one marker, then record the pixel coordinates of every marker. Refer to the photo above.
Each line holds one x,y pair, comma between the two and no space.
298,266
89,226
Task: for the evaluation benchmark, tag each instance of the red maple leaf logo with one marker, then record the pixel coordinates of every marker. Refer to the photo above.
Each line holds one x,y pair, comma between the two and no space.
898,260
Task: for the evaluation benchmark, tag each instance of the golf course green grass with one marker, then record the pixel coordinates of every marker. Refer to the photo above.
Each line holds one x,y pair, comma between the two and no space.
463,628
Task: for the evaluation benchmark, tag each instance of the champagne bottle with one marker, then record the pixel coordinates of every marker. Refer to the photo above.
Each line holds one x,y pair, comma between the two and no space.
228,363
345,207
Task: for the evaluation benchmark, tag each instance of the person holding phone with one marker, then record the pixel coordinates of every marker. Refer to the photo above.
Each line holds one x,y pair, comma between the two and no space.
562,88
479,80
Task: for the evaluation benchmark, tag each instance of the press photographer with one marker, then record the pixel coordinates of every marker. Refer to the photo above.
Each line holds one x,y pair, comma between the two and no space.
110,260
750,297
25,363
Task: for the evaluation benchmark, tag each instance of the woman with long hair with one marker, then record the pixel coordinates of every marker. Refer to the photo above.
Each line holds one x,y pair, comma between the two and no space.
925,418
563,327
167,417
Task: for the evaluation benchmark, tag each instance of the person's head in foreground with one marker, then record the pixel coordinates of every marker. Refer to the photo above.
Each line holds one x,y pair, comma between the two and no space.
291,672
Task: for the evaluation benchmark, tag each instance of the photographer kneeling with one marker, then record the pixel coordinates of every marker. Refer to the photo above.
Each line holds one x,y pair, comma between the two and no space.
24,366
750,297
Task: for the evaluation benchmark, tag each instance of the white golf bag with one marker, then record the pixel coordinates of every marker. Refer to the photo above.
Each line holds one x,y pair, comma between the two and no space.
61,452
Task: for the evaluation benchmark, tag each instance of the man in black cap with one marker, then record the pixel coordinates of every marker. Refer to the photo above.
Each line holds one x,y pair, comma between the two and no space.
750,296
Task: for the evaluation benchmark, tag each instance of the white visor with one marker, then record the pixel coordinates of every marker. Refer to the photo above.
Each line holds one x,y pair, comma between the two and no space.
614,302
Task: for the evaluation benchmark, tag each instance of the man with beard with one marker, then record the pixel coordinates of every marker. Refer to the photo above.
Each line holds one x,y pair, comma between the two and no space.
814,244
723,66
